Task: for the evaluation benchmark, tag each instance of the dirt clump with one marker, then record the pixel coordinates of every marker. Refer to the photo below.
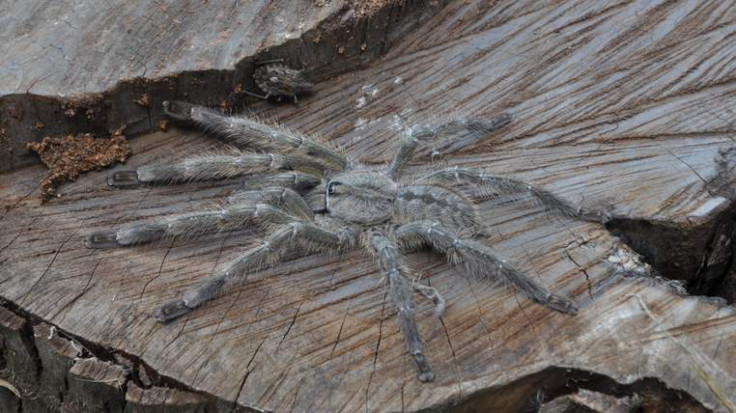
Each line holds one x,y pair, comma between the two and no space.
69,156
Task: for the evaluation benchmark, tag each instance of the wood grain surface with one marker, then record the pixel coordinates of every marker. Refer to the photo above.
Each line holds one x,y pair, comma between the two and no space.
91,67
617,106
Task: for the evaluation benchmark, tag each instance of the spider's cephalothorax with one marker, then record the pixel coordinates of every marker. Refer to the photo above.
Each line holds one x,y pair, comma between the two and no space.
308,196
360,197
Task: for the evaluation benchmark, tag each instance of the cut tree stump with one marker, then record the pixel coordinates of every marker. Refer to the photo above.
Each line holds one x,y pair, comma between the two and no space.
618,107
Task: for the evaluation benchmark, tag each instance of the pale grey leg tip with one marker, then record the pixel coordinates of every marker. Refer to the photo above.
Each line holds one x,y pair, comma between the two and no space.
426,374
426,377
178,110
124,179
106,238
562,305
171,310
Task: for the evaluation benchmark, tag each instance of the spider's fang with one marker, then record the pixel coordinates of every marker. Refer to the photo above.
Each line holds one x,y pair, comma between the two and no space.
107,238
171,310
124,179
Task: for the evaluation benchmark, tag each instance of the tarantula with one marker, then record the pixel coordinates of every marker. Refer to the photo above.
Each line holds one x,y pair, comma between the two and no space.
308,196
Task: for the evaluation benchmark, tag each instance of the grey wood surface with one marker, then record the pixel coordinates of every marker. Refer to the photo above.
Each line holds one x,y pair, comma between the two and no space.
619,106
89,66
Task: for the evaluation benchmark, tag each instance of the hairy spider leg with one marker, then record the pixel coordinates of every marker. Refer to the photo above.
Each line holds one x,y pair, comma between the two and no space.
307,237
453,134
190,225
247,132
212,167
489,186
389,258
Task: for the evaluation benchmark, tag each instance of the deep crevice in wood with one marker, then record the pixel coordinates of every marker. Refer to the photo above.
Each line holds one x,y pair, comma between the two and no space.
700,256
524,395
530,392
340,48
89,351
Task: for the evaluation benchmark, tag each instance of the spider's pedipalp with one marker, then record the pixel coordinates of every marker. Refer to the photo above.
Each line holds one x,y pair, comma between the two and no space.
250,133
480,260
306,236
490,186
387,253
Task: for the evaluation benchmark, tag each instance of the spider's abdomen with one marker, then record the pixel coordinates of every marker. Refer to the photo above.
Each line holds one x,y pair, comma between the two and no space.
437,204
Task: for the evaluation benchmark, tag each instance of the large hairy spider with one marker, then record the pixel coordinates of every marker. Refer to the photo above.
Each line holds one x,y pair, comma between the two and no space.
309,197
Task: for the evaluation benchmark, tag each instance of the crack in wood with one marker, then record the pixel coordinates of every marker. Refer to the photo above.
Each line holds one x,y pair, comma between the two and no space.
160,268
56,254
378,347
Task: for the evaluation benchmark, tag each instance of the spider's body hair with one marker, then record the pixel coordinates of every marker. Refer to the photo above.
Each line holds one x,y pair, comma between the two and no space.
389,259
451,209
452,133
490,186
363,197
407,147
192,225
479,260
280,80
287,199
338,206
220,166
297,181
248,132
309,237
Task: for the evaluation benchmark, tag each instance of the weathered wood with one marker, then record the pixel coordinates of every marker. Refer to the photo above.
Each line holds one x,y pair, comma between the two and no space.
18,361
96,67
567,404
616,106
56,356
157,399
95,386
593,402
